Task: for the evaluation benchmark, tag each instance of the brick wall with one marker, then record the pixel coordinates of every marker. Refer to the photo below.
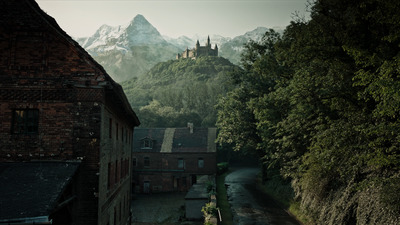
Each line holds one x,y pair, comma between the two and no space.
43,69
163,170
115,170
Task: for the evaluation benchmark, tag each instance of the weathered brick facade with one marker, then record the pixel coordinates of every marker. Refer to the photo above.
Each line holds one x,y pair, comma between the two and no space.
56,104
171,159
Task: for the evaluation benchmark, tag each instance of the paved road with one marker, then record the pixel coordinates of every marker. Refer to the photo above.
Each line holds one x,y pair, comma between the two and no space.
249,206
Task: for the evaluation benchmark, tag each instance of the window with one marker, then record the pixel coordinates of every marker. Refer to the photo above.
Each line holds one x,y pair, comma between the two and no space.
119,219
109,177
110,129
200,163
146,161
181,163
134,163
116,171
122,170
115,215
25,121
127,167
184,184
147,143
116,130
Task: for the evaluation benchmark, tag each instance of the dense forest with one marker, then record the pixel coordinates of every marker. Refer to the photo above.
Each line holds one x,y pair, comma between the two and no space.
320,106
176,92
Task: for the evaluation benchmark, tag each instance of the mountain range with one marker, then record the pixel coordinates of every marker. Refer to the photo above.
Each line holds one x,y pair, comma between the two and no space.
130,50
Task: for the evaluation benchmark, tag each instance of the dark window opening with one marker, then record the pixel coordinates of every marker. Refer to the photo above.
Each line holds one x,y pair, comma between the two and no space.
146,161
117,168
181,163
134,163
201,163
147,143
25,121
116,130
109,177
110,129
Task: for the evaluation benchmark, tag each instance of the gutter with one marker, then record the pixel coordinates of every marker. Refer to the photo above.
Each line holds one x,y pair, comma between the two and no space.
28,220
157,170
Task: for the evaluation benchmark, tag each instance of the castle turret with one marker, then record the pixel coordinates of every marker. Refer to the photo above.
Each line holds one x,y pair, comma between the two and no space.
199,51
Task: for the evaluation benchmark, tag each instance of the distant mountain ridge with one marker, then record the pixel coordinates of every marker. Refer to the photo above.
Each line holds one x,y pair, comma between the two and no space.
130,50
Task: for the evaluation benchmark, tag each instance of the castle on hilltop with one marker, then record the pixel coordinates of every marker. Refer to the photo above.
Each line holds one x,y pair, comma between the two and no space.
199,51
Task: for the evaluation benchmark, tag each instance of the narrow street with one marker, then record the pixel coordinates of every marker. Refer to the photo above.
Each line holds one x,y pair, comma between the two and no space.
250,206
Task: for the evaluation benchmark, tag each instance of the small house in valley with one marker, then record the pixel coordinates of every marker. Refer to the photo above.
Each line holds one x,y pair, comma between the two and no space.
172,159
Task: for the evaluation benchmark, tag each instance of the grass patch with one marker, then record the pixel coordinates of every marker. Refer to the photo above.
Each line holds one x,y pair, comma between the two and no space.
222,200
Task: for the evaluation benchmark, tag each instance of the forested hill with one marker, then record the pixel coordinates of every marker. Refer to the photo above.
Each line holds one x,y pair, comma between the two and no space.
176,92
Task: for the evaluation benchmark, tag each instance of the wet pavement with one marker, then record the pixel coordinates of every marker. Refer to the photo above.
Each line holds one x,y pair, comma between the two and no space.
250,206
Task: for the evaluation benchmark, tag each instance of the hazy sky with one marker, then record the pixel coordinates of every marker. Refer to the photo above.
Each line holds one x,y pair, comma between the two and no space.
81,18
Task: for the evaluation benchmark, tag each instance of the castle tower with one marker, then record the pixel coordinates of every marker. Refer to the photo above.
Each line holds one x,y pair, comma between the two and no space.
199,51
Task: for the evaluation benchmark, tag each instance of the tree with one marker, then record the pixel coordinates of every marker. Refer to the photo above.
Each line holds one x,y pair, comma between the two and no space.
322,105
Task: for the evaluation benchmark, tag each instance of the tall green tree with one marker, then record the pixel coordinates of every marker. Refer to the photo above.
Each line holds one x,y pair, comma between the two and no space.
322,104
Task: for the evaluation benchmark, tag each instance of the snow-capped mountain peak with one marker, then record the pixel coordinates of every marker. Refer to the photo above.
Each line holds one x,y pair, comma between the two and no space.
138,31
132,49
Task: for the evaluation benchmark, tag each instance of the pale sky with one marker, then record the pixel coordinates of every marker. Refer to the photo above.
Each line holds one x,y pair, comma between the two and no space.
174,18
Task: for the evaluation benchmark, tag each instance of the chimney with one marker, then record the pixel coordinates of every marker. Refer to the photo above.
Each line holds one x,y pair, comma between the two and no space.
190,126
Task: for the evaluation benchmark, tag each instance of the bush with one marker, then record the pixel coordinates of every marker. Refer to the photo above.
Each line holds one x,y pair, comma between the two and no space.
222,167
209,210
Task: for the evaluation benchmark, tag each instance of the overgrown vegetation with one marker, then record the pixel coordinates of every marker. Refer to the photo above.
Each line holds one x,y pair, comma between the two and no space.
175,92
222,168
320,105
222,200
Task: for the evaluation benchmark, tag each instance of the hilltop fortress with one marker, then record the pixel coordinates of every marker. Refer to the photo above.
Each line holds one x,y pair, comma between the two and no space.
199,51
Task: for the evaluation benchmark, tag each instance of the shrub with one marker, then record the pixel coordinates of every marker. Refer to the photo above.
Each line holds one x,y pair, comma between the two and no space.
222,167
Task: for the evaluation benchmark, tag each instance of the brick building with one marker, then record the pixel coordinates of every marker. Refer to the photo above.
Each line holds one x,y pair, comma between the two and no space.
171,159
64,121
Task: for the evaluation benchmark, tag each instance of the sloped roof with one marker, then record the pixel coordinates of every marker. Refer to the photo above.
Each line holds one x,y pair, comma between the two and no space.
32,189
26,15
175,140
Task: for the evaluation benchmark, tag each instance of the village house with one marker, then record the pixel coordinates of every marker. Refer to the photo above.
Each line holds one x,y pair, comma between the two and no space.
172,159
66,128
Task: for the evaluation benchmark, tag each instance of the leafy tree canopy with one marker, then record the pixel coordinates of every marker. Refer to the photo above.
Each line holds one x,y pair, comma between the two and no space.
321,105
